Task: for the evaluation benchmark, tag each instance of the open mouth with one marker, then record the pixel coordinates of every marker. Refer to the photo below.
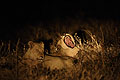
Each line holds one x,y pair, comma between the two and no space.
68,41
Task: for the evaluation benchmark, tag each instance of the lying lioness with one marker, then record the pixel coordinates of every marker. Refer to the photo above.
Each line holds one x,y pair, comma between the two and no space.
36,53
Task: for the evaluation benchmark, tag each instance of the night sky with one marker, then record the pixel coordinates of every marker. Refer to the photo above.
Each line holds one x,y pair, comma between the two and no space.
16,16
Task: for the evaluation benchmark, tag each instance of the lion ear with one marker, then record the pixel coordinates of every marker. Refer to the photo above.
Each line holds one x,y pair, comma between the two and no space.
30,44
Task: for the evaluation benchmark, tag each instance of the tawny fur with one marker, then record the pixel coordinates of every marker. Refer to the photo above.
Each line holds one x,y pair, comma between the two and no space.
58,62
65,50
36,51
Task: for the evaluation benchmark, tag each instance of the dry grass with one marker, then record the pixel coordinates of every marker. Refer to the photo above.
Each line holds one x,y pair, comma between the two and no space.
99,62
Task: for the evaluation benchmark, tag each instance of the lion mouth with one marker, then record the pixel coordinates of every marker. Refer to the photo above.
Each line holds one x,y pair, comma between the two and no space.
68,41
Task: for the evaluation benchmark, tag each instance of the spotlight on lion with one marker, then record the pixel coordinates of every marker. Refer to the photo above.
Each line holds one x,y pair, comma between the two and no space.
63,50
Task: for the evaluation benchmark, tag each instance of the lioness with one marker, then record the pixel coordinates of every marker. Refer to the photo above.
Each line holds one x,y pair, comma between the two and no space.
36,53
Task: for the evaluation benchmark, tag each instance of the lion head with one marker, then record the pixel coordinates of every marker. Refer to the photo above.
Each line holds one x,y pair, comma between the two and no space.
35,51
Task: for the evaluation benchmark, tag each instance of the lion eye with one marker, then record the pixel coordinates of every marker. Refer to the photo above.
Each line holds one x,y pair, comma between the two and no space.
37,50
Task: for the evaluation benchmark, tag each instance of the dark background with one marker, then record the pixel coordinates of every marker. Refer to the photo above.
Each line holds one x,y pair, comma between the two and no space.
14,17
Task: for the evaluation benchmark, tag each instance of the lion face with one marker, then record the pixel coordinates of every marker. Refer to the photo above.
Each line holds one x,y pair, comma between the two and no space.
35,51
68,47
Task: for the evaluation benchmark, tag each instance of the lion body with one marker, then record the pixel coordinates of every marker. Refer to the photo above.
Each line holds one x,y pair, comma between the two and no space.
58,62
36,52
